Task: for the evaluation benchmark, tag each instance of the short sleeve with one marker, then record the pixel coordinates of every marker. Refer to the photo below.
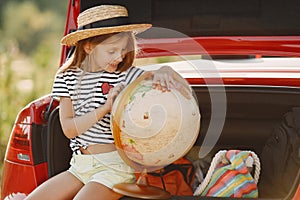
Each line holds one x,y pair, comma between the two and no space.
60,88
132,74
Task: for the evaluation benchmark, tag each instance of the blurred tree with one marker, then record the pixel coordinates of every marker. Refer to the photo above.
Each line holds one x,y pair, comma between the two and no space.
29,26
58,6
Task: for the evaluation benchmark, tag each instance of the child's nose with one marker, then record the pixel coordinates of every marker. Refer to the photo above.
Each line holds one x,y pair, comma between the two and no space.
119,58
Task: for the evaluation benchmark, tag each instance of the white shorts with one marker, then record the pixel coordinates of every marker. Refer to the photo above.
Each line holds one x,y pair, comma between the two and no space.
105,168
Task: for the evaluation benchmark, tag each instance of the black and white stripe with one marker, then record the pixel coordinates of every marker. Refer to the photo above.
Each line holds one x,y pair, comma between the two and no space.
85,91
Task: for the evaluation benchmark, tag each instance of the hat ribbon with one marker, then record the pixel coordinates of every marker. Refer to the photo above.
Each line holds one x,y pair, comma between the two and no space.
117,21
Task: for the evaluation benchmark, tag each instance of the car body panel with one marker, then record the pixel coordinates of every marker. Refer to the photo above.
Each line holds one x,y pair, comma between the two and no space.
22,178
234,45
284,72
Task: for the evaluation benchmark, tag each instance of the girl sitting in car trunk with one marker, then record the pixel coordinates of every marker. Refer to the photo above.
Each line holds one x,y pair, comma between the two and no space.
87,85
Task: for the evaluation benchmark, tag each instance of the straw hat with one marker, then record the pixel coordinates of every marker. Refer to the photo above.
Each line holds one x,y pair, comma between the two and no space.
102,20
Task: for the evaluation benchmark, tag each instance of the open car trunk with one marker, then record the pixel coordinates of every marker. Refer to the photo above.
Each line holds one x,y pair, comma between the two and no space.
213,17
251,115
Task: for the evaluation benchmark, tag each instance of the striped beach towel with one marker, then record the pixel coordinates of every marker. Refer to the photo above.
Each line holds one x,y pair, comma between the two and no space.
231,176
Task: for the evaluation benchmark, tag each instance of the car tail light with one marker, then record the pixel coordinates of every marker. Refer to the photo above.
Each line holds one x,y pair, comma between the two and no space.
19,147
27,141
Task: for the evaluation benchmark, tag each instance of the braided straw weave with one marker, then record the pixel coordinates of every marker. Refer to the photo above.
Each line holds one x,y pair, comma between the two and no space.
101,13
98,13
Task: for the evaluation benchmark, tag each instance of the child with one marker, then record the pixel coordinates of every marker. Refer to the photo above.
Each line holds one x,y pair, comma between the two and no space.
87,85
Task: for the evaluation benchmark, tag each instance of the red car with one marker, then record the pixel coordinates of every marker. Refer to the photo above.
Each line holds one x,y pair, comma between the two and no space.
242,58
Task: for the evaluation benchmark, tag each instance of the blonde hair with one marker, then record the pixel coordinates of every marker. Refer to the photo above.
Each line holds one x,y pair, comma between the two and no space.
79,54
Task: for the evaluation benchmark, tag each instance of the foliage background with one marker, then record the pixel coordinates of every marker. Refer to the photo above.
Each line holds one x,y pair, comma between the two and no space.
30,31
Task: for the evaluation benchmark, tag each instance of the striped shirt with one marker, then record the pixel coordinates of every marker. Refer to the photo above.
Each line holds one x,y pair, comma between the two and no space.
88,91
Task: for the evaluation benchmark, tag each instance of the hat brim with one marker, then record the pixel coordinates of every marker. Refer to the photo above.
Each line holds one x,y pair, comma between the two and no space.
72,38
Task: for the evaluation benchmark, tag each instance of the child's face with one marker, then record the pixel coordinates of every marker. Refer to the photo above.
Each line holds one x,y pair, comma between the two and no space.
107,55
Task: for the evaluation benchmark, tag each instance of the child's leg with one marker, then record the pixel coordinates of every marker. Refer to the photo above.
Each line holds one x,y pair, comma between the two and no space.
96,191
62,186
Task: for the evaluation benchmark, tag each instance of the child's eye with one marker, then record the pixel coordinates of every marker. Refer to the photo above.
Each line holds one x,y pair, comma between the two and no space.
111,52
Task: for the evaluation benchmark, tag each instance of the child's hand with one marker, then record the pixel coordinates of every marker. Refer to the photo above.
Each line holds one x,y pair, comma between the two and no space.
163,79
166,78
112,95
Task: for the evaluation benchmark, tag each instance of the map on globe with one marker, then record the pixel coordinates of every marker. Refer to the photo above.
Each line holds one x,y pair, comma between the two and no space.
154,128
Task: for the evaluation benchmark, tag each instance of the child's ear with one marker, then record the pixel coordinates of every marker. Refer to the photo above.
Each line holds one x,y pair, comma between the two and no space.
88,47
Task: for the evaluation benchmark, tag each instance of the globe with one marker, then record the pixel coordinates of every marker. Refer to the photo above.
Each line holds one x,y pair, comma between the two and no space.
153,128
